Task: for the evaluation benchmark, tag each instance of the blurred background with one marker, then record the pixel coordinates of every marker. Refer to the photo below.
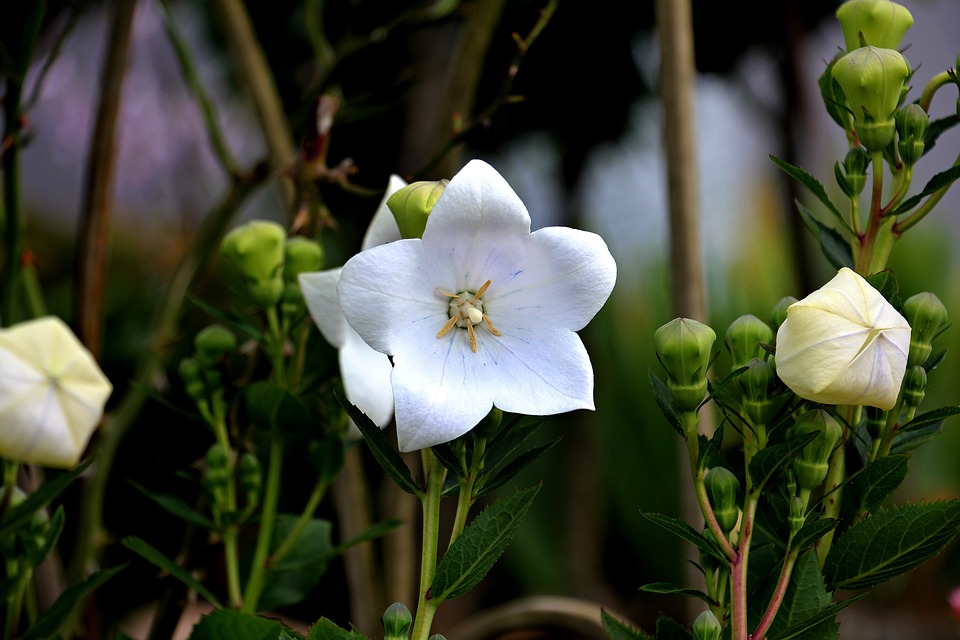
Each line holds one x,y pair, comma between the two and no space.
583,148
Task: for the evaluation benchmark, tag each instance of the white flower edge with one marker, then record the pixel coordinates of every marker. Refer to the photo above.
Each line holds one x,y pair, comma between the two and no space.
365,372
844,344
545,286
52,393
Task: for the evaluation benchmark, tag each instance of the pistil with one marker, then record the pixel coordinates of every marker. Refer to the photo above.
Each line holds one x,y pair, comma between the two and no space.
466,310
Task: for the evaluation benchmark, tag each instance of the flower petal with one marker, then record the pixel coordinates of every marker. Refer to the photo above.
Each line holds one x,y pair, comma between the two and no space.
366,378
383,227
320,293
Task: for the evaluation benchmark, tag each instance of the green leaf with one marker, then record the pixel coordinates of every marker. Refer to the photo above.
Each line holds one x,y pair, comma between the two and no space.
940,181
53,618
233,321
153,555
812,531
290,580
372,533
889,543
380,447
175,506
499,477
469,559
23,512
936,128
667,588
54,529
665,401
936,416
879,479
324,629
814,186
769,460
270,405
327,454
815,623
709,455
835,247
684,531
886,283
617,630
235,625
510,437
670,629
805,598
448,458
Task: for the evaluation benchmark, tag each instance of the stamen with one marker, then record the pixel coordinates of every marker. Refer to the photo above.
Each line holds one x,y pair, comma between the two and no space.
473,338
448,295
490,326
482,290
446,328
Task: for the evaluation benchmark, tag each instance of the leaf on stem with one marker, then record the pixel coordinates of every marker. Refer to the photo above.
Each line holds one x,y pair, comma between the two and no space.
154,556
664,400
617,630
500,476
939,181
835,247
237,625
175,506
813,531
325,629
53,618
684,531
814,186
20,514
936,128
879,479
769,460
667,588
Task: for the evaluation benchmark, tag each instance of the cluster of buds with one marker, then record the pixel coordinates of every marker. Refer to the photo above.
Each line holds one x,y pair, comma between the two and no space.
201,373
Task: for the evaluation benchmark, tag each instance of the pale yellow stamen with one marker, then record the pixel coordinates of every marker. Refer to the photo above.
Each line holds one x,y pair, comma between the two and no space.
466,313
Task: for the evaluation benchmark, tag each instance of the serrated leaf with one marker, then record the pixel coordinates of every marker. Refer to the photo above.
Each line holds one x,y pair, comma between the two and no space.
812,531
937,182
670,629
154,556
889,543
472,555
800,630
23,512
500,477
907,442
290,580
805,599
618,630
709,450
835,247
936,128
667,588
927,418
879,479
175,506
685,532
769,460
235,625
380,447
53,618
665,401
813,185
325,629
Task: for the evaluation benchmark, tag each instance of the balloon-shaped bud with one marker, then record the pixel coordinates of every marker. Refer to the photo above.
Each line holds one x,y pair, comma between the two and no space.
706,627
912,125
872,80
254,254
927,316
251,477
212,343
757,382
880,23
797,515
844,344
744,337
852,174
301,255
914,386
396,622
779,312
683,346
218,468
411,206
813,462
722,489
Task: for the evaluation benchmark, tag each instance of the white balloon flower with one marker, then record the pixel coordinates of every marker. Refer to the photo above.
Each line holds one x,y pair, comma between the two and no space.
844,344
365,372
52,393
479,312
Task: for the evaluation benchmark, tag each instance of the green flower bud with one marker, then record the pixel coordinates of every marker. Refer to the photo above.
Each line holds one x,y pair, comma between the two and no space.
811,465
744,337
881,23
912,125
914,386
437,636
253,253
191,375
251,477
683,347
872,80
876,420
756,383
301,255
852,174
708,561
218,474
722,489
396,622
927,316
790,481
489,426
412,204
707,627
212,343
797,516
779,313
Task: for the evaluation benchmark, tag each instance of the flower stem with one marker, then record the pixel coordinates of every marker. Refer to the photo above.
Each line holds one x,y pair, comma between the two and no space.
319,489
738,568
936,82
925,208
689,421
831,504
875,219
775,601
268,517
426,604
466,498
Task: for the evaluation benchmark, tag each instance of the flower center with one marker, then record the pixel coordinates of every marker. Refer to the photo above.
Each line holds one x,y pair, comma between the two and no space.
466,310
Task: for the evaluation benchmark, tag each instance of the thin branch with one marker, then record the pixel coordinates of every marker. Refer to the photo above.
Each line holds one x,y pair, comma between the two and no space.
75,12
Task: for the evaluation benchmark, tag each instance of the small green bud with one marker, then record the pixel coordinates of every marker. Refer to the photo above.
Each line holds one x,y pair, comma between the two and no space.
811,465
779,313
218,468
251,476
852,174
927,316
707,627
490,424
396,622
797,516
790,482
756,383
722,489
872,80
212,343
683,346
914,386
412,204
254,254
301,255
437,636
191,375
881,23
744,337
912,125
876,420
